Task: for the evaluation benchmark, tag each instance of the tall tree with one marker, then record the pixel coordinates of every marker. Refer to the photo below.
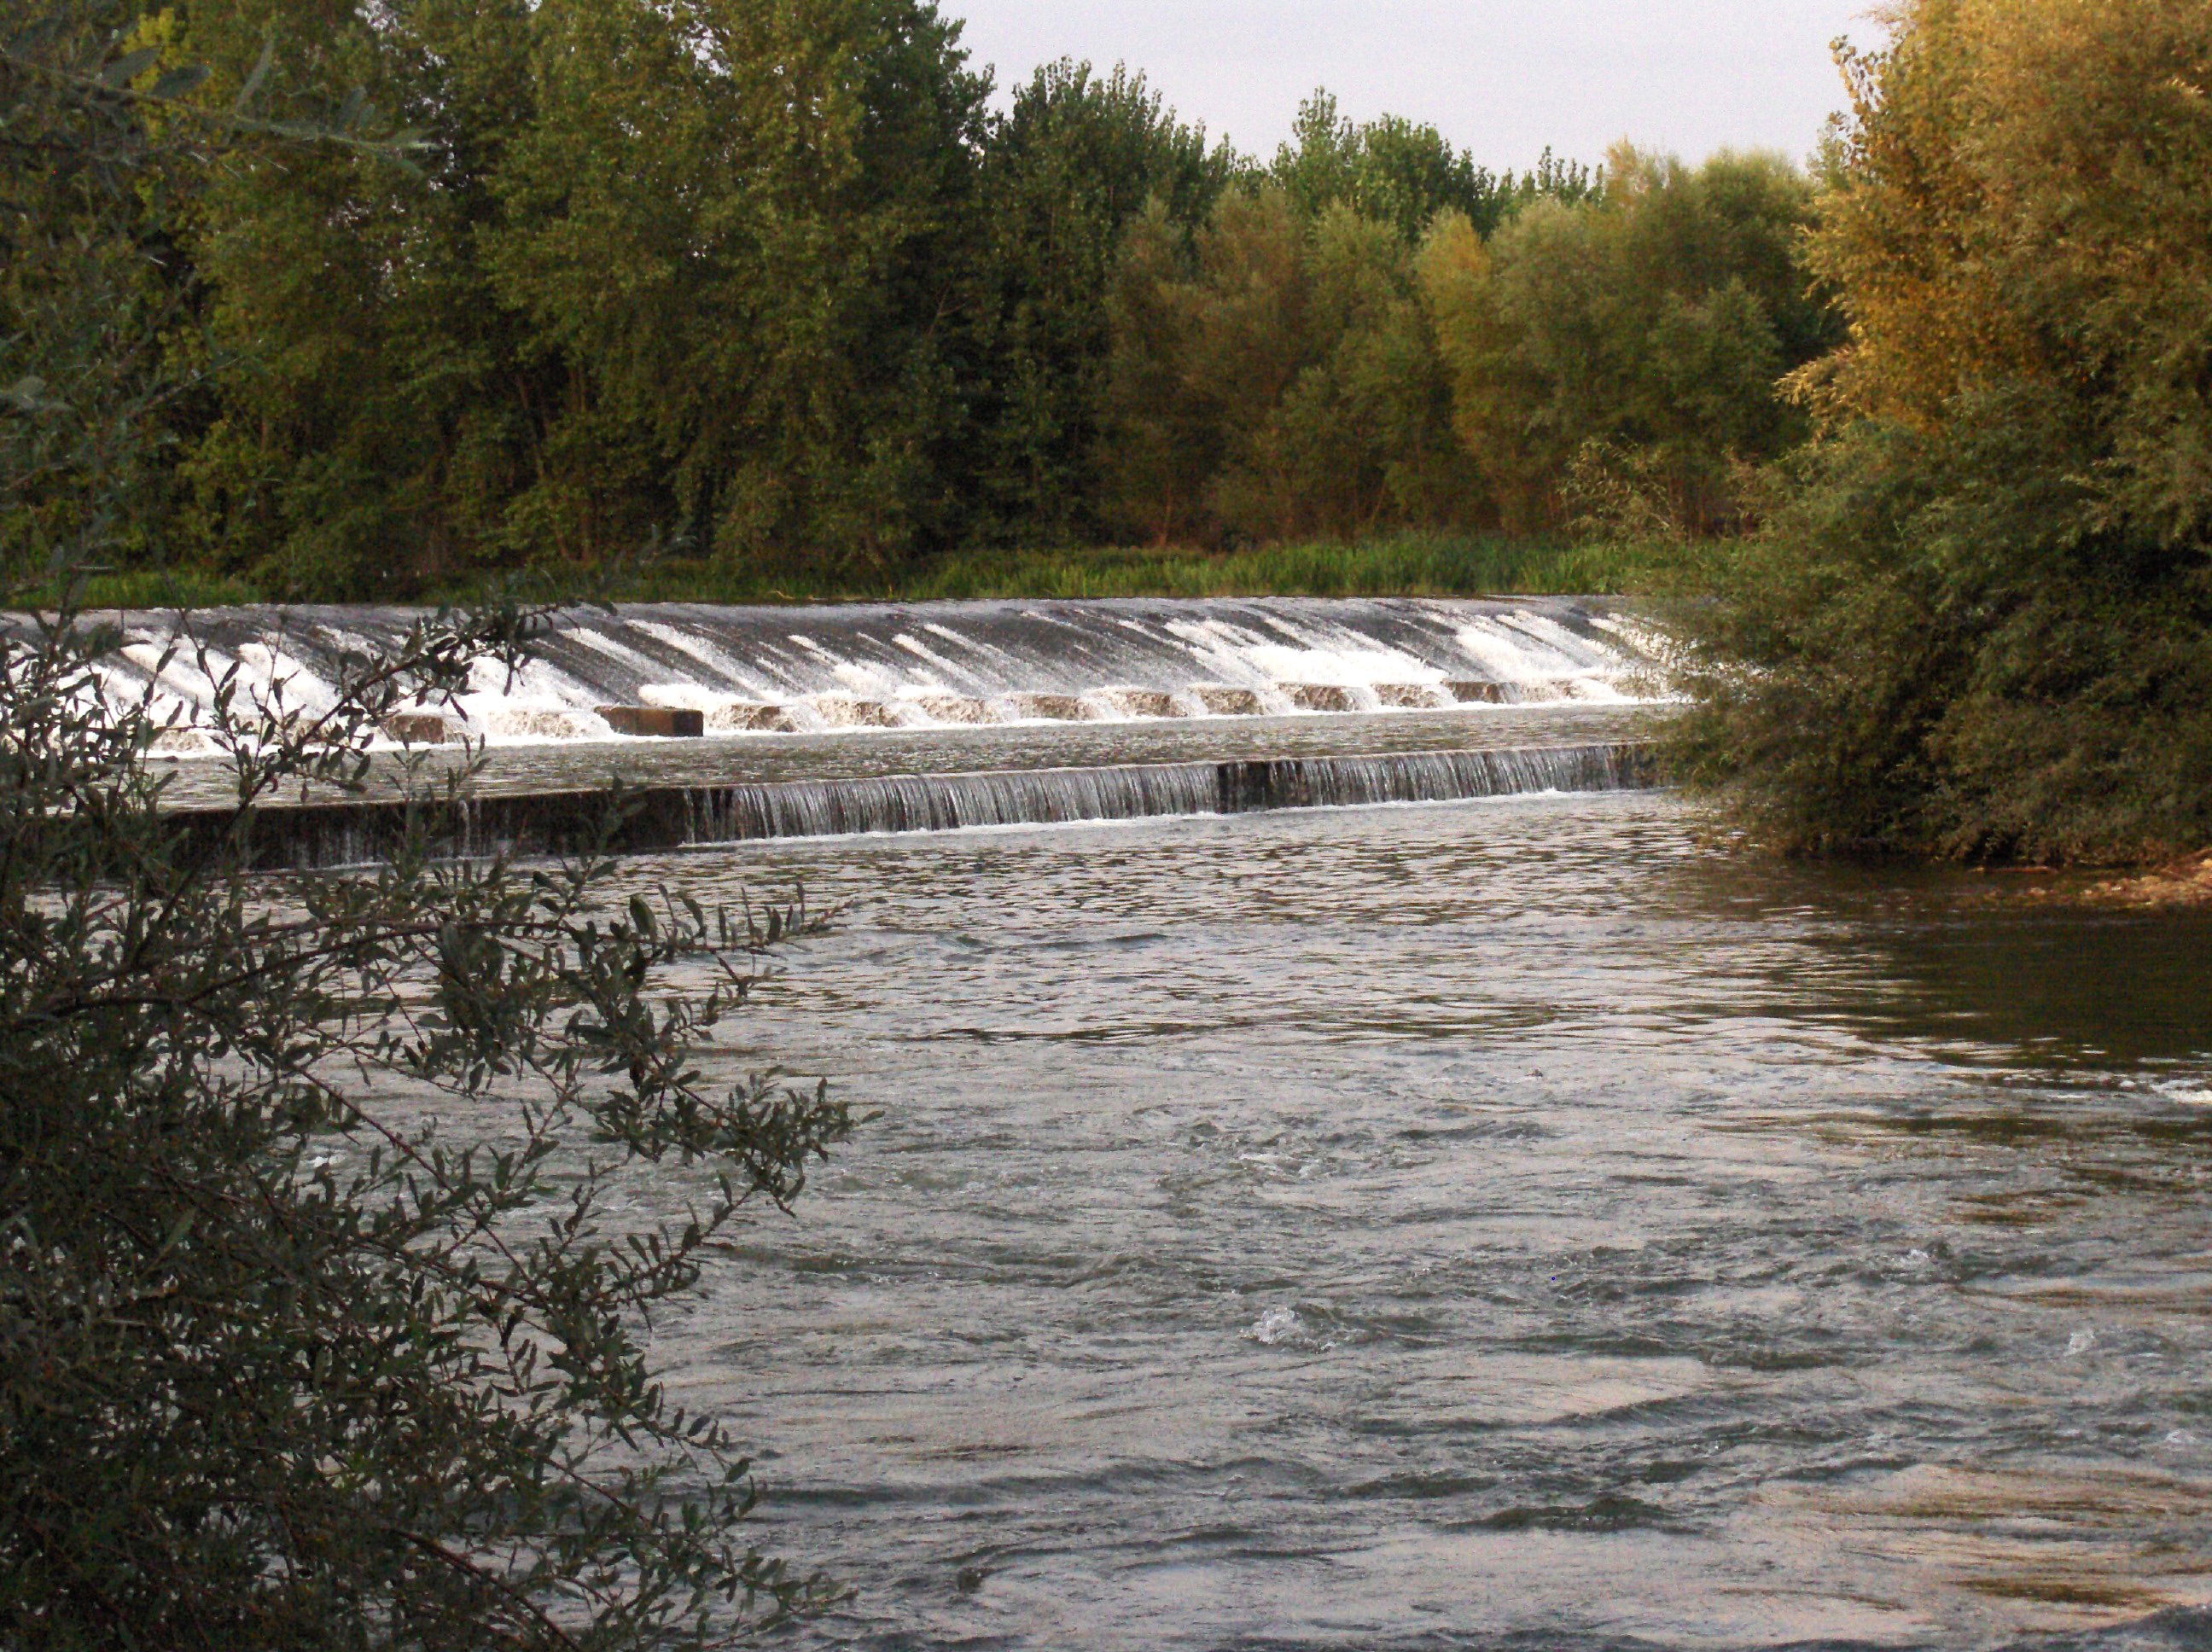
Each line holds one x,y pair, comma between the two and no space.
1405,172
1281,381
745,220
1653,321
683,265
1984,623
1066,171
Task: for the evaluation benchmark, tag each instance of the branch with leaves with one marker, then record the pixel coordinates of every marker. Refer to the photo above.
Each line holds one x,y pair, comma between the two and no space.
315,1322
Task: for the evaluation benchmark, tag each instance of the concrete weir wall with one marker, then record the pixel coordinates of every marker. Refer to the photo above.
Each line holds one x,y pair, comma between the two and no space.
650,819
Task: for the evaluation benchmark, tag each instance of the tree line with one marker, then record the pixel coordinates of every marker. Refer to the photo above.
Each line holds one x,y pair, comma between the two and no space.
781,286
1920,430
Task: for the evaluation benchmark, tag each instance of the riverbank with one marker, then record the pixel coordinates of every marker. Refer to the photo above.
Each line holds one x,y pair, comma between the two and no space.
2183,882
2167,886
1400,565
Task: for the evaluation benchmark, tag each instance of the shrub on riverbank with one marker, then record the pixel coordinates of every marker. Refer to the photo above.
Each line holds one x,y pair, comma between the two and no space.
1981,624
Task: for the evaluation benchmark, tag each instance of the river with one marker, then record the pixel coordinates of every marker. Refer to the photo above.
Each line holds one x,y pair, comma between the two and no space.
1505,1224
1509,1223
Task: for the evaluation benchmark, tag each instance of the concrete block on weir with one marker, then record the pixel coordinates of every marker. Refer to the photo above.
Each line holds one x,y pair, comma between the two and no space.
1046,708
180,740
751,717
1221,700
1135,703
850,711
952,708
664,722
1410,694
420,728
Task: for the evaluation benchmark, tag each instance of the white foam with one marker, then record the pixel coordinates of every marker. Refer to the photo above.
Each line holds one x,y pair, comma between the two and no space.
1277,1326
833,668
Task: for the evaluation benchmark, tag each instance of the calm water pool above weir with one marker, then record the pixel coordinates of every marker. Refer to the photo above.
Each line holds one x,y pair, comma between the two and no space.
1498,1224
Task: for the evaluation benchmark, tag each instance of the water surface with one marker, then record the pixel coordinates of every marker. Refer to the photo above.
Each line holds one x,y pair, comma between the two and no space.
1494,1225
773,759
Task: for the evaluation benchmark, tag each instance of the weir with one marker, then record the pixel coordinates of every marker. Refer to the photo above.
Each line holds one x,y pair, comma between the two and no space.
755,673
654,818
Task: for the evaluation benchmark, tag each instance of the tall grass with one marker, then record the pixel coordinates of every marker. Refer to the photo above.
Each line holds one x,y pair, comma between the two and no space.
1415,564
1404,565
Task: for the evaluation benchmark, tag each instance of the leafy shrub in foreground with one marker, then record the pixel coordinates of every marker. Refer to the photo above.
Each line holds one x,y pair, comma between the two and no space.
317,1327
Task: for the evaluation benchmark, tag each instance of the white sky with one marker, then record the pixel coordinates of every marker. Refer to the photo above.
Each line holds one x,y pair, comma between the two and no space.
1501,77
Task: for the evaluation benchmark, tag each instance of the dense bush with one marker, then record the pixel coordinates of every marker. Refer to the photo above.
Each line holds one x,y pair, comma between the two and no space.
318,1323
1981,623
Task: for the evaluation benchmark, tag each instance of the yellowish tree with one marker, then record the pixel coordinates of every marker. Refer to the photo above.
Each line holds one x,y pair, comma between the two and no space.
1983,626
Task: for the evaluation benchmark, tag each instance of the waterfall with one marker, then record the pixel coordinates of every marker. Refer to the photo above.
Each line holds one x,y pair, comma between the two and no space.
757,672
658,818
937,803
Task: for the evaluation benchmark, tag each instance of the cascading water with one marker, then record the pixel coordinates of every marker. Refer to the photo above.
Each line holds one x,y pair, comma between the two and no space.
911,803
766,670
681,817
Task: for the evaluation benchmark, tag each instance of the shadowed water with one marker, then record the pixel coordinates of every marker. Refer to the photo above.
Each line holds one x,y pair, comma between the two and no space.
1503,1223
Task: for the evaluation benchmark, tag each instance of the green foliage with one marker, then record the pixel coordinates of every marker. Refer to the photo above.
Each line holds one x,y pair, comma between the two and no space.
669,267
1287,387
1415,562
318,1325
771,284
753,271
1064,172
1270,372
1378,334
1423,563
1405,175
1653,320
1981,624
105,140
361,431
83,293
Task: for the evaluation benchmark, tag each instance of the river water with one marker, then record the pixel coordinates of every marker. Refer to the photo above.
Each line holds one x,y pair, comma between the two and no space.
1511,1224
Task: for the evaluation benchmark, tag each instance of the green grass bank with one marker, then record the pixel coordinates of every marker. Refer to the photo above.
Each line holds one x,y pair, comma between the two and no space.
1401,565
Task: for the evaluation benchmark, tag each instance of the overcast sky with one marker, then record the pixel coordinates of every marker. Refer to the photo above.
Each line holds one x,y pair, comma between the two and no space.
1501,77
